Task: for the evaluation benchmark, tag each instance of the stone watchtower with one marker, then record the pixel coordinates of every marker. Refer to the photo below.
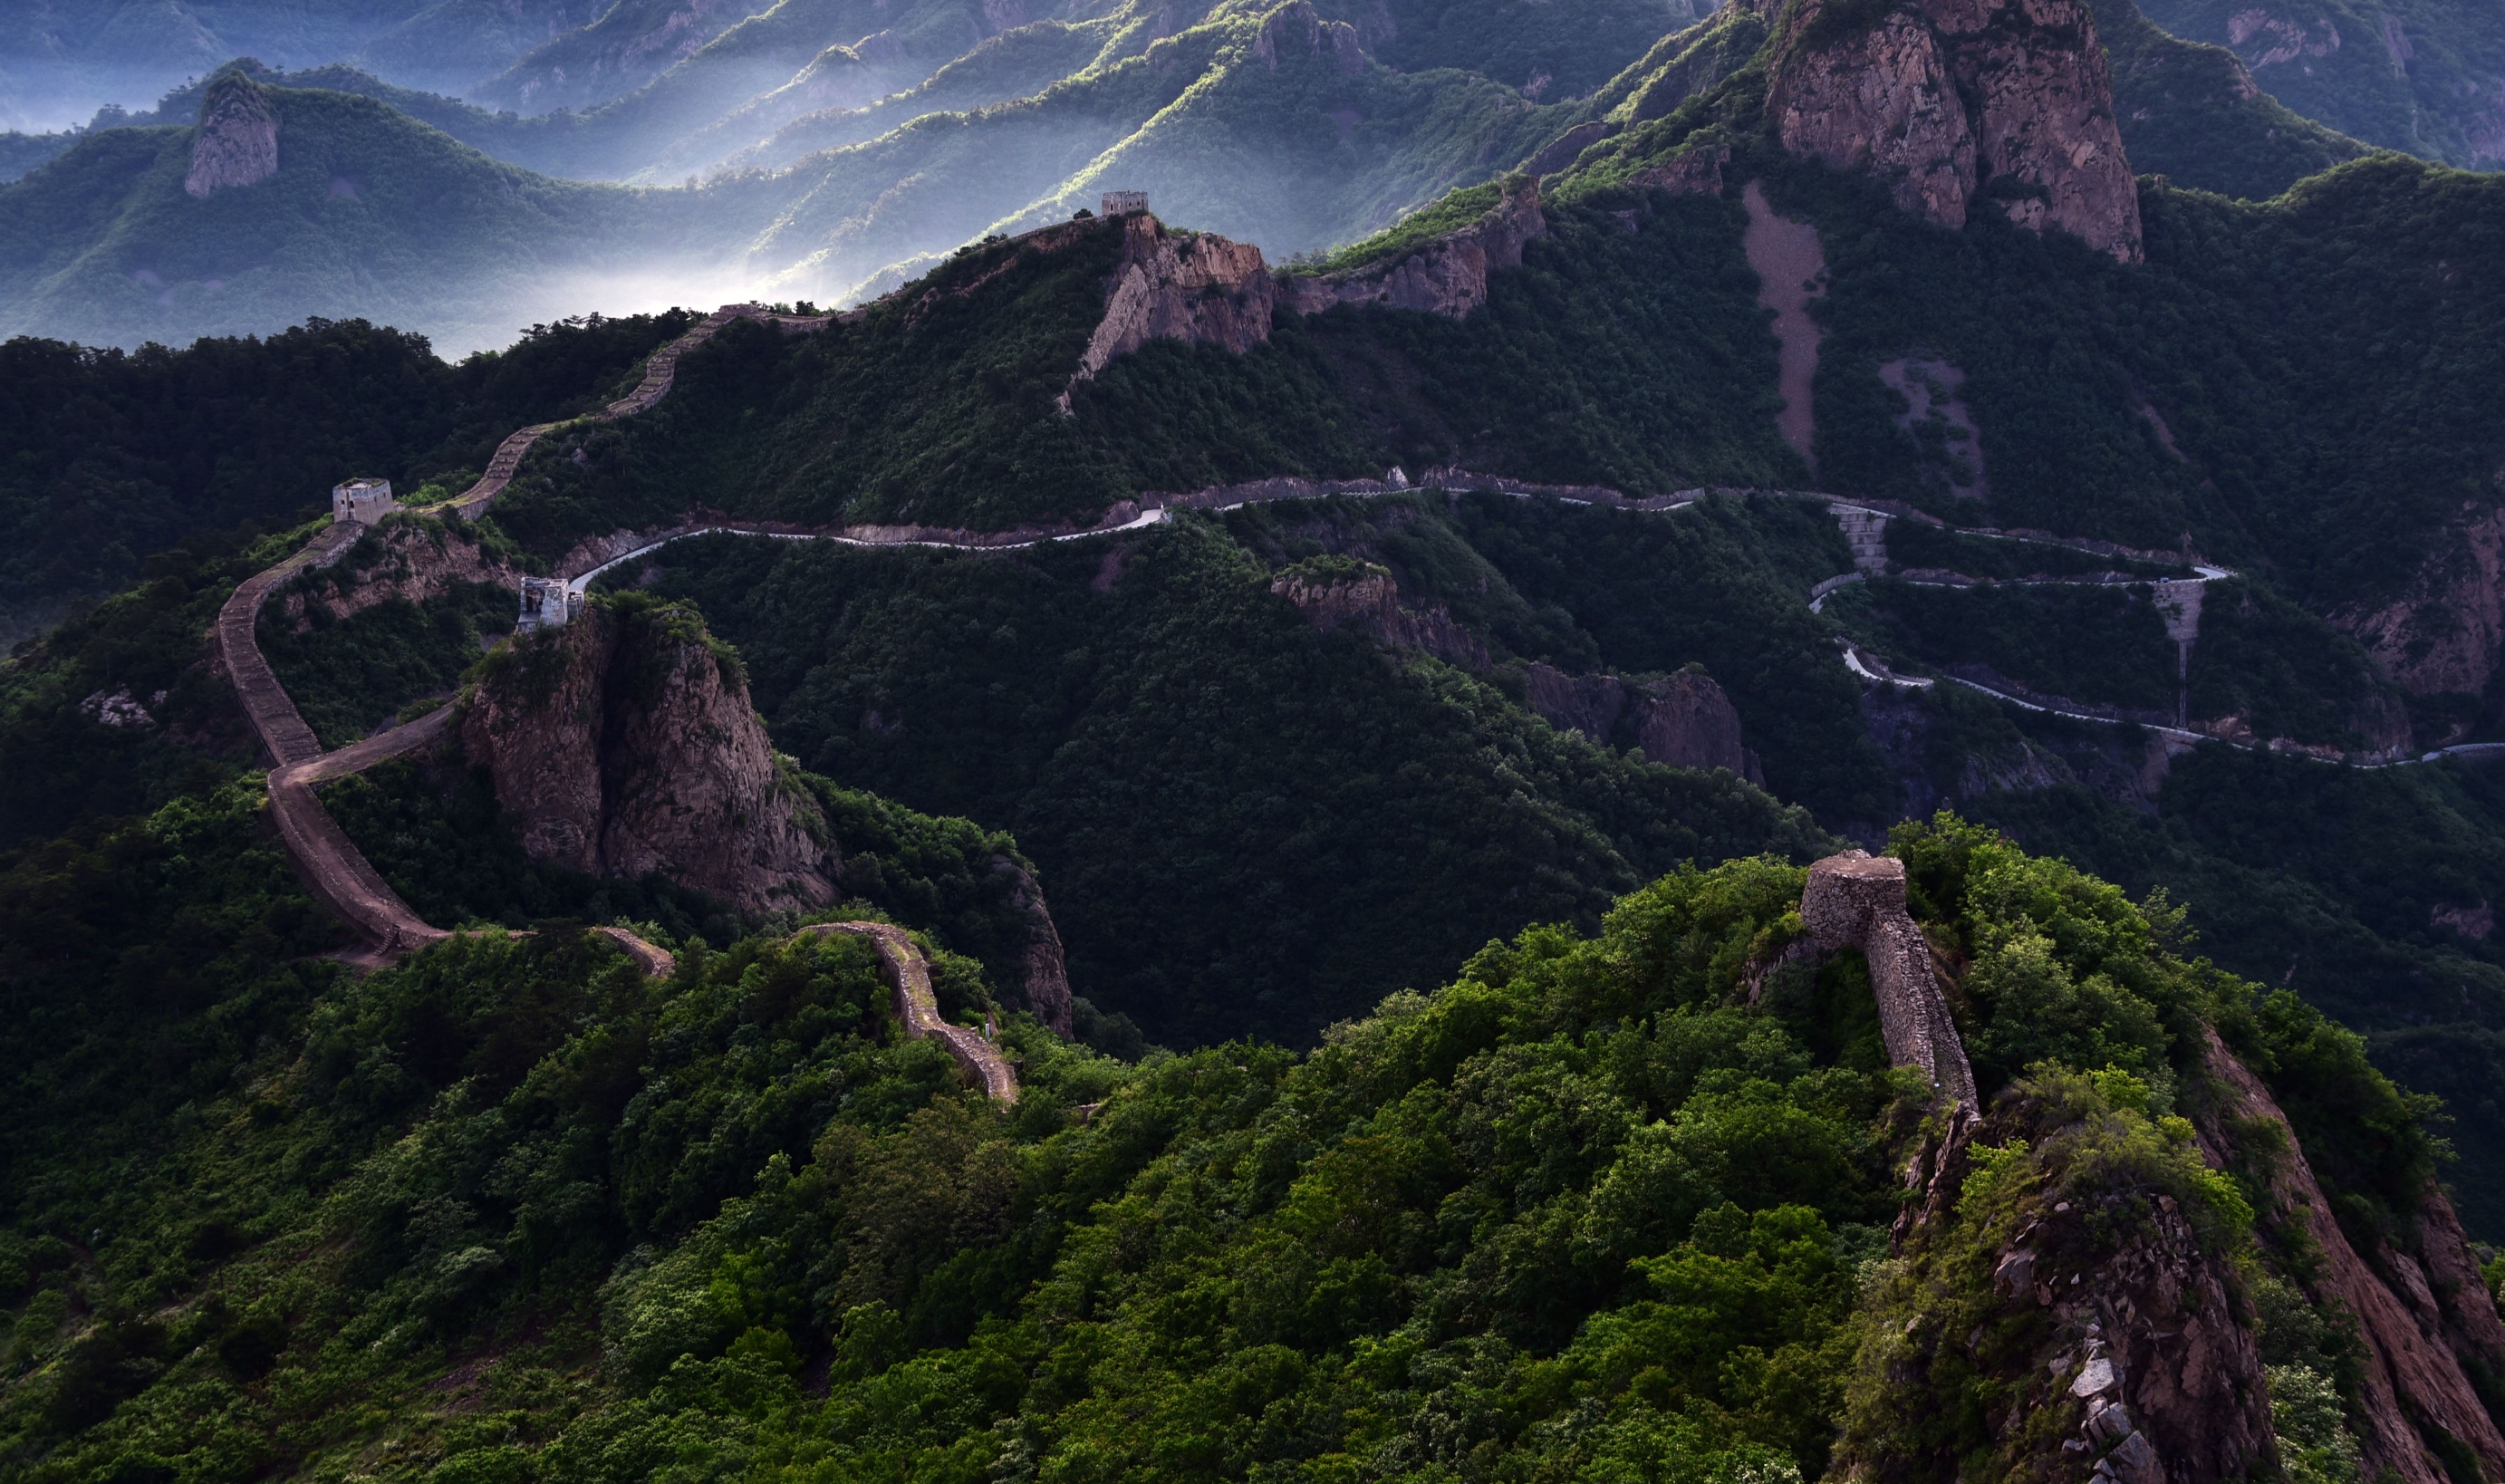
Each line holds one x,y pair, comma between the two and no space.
1120,202
546,604
364,501
1858,901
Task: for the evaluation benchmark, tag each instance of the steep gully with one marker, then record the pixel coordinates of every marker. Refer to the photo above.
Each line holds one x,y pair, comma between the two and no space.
340,873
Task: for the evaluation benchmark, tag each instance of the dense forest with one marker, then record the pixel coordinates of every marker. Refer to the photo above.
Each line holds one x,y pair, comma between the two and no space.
1248,827
107,456
1455,1090
510,1210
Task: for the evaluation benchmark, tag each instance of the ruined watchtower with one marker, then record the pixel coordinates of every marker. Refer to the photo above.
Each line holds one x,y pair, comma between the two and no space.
362,501
1858,901
547,603
1119,202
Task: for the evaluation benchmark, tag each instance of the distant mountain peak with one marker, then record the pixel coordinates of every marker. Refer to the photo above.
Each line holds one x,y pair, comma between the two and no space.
238,144
1960,102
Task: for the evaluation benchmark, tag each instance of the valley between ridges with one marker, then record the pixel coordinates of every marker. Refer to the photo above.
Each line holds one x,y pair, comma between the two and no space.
340,873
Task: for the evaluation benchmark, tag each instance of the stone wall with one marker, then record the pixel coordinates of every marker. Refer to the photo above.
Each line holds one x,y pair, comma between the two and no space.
1858,901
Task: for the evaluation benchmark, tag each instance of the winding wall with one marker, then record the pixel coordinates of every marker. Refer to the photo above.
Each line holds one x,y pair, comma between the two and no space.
917,1009
1859,519
344,879
338,872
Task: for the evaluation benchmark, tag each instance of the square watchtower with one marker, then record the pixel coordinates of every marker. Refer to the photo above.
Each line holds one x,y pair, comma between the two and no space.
1119,202
546,604
364,501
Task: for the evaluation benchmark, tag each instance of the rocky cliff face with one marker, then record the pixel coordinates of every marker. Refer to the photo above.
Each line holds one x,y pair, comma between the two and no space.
2168,1385
1193,287
2108,1327
1043,976
413,562
1348,591
2424,1340
1449,275
1300,31
1965,103
1684,720
1205,290
2445,633
624,744
237,143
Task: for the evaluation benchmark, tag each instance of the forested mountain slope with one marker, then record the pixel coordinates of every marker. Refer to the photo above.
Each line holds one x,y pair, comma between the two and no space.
59,59
511,1210
2226,397
1277,127
114,456
354,211
1298,628
894,138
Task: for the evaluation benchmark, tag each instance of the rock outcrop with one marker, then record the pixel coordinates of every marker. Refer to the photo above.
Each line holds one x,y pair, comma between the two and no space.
2445,632
1684,721
1448,275
623,745
1331,593
1694,171
1959,103
2110,1327
237,142
1299,30
2170,1385
1044,972
1193,287
1858,901
415,561
2425,1340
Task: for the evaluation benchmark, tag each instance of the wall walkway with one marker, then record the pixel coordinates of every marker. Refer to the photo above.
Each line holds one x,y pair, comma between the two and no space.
340,875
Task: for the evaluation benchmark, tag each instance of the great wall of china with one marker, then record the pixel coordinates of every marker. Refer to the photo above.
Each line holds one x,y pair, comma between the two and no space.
338,872
342,876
